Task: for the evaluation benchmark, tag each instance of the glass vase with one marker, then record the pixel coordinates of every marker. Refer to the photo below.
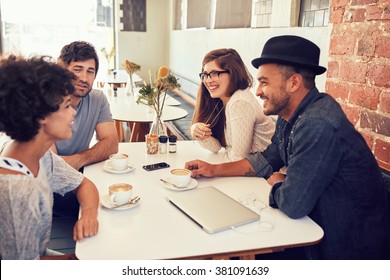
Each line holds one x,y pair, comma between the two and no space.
158,126
129,90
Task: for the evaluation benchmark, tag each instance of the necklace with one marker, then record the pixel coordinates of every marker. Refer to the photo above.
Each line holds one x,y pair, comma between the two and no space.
212,122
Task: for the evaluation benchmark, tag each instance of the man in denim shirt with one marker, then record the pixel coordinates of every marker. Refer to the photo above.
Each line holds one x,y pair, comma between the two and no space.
331,174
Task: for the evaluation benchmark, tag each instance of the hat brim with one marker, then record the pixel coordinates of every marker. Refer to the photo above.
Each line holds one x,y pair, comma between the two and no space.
318,70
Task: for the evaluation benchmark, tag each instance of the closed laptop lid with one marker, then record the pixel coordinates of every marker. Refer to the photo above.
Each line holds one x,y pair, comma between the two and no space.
211,209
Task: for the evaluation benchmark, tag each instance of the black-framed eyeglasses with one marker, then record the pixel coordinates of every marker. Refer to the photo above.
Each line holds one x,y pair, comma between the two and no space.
213,74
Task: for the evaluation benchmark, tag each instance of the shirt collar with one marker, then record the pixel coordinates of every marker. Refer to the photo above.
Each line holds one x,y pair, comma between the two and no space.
310,98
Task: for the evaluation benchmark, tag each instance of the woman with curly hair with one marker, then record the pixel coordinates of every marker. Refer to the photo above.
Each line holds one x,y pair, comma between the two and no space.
227,114
35,112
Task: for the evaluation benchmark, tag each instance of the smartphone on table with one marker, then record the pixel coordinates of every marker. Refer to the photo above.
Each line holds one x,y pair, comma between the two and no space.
156,166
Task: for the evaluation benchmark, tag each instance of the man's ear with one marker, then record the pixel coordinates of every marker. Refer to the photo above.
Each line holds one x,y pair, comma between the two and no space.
294,82
62,63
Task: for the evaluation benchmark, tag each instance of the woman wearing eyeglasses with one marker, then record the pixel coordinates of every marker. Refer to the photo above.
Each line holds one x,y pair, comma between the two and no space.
227,114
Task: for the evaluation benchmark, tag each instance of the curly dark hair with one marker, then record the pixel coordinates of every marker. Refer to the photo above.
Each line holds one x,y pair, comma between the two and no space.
30,90
79,51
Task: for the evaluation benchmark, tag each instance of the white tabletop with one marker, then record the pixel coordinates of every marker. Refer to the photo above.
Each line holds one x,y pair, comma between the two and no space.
125,108
157,230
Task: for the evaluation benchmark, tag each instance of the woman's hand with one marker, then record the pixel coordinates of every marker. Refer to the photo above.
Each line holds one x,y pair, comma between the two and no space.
87,225
200,131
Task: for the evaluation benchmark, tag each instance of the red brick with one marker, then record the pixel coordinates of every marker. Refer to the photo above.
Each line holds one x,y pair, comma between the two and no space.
384,104
364,96
386,11
338,3
379,75
352,113
366,29
382,151
336,15
337,90
359,15
342,45
385,26
363,2
384,165
374,13
366,46
377,123
333,69
383,46
353,71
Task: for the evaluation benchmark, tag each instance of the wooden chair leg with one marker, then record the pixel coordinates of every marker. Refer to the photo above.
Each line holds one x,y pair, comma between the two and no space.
119,130
138,131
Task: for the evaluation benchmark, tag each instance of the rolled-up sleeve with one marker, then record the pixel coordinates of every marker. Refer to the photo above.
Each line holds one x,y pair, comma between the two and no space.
266,162
260,165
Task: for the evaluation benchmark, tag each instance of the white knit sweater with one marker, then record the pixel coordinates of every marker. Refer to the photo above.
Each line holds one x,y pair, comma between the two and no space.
247,128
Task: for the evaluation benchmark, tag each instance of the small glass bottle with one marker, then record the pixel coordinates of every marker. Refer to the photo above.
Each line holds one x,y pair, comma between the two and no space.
162,147
115,92
172,143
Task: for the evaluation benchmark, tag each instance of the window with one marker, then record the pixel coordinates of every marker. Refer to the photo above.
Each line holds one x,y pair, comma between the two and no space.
314,13
43,27
200,18
233,14
212,14
262,10
134,15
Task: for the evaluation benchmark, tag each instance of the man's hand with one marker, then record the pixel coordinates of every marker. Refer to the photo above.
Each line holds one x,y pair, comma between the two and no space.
200,168
236,168
275,178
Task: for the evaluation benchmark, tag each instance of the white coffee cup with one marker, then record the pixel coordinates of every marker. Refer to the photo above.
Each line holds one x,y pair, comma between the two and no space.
181,177
119,161
120,193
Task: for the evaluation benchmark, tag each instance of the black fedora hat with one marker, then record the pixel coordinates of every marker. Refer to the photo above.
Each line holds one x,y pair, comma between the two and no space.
291,50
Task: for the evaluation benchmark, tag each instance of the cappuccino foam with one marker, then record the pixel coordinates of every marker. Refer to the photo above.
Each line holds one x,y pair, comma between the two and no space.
120,188
180,172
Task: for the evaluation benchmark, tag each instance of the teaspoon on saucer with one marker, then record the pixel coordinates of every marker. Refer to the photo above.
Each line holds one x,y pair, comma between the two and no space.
171,184
134,200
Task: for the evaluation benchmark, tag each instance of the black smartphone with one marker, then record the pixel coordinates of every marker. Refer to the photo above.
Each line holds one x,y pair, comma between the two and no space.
156,166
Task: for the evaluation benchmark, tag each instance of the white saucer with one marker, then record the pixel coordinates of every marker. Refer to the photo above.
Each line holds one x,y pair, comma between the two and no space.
191,185
107,167
105,200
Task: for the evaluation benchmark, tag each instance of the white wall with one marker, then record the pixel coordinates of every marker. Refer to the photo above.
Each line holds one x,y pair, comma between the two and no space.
183,50
188,47
148,49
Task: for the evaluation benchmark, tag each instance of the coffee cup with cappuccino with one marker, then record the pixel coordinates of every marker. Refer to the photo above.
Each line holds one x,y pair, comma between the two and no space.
118,161
181,177
120,193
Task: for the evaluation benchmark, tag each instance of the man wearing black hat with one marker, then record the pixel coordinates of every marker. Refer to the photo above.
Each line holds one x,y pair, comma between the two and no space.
331,174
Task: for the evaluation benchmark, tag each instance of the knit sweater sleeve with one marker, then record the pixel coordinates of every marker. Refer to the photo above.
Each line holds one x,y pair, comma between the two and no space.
240,122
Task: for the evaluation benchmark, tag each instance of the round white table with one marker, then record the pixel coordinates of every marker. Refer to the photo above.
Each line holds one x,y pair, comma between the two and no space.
138,117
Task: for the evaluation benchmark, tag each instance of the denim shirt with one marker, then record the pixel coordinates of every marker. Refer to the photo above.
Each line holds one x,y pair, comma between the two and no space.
332,177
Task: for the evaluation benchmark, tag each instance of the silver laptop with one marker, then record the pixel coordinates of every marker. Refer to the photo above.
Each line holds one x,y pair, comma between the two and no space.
211,209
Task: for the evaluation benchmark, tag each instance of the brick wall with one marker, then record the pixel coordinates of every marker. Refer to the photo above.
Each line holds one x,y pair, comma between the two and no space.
359,69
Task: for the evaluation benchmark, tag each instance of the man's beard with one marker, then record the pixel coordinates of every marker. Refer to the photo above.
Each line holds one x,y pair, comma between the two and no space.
81,95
